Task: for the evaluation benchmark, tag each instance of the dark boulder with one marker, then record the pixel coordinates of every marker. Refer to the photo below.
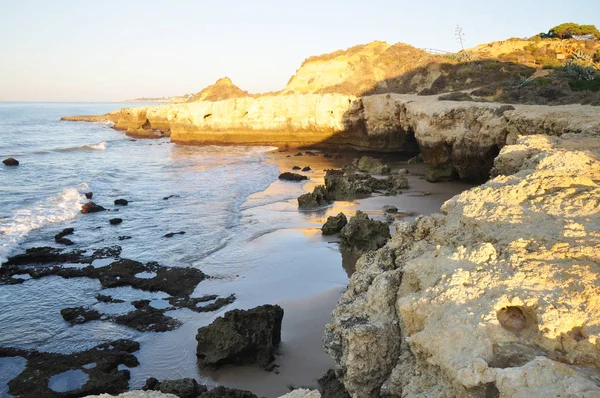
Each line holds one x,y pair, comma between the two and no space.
390,209
298,154
10,162
249,337
115,221
79,315
292,176
343,186
64,241
306,168
363,234
125,237
108,299
91,207
334,224
172,234
296,168
330,386
317,198
89,195
121,202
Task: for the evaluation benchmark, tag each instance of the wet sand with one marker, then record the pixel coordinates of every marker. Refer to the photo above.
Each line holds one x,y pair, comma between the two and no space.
304,272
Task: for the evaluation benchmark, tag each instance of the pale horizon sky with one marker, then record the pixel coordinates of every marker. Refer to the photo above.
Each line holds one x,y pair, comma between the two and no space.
68,50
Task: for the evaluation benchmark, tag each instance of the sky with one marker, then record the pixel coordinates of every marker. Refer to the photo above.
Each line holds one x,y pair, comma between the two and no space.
108,50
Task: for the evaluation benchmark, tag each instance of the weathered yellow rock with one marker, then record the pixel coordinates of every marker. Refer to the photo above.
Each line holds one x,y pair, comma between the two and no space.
501,293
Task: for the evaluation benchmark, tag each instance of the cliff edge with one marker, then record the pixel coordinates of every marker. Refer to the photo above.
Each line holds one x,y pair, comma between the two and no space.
498,296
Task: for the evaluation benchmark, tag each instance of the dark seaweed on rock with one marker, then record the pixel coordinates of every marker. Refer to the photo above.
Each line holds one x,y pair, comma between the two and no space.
105,377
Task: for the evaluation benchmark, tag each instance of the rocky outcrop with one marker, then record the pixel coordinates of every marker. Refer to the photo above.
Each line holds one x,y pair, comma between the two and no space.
241,337
371,165
91,207
362,234
496,296
334,224
292,176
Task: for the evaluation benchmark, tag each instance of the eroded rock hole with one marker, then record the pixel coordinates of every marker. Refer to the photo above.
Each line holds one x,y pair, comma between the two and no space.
515,318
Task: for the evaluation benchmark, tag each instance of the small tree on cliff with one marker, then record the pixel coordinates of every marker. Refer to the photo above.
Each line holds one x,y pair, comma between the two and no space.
569,29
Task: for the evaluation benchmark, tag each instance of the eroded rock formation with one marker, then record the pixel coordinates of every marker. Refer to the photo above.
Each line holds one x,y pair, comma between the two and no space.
497,296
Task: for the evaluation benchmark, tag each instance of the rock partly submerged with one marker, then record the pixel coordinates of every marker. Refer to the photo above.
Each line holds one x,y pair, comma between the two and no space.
241,337
497,296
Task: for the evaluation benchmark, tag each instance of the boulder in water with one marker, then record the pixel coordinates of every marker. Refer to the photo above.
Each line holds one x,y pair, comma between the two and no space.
317,198
334,224
79,315
241,337
121,202
10,162
390,209
306,168
183,388
115,221
292,176
91,207
296,168
363,234
89,195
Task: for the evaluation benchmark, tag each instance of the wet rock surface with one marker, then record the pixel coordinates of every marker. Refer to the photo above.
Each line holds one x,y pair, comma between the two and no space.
179,283
317,198
105,377
183,388
241,337
60,237
371,165
224,392
91,207
330,386
10,162
172,234
363,234
88,195
121,202
287,176
115,221
334,224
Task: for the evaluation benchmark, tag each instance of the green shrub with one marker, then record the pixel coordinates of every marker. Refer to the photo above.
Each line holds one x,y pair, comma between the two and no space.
551,64
569,29
585,85
577,71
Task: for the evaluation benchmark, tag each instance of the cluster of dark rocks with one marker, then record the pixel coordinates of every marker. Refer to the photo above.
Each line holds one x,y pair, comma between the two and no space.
347,185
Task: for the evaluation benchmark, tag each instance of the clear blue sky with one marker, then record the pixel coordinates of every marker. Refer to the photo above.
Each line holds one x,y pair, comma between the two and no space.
107,50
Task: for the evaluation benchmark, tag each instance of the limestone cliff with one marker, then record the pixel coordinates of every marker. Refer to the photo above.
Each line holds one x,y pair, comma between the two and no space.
498,296
456,138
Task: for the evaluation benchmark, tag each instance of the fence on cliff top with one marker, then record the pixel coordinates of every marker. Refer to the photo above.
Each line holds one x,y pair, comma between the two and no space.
435,51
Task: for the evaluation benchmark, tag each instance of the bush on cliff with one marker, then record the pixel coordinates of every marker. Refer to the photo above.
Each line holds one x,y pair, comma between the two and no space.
569,29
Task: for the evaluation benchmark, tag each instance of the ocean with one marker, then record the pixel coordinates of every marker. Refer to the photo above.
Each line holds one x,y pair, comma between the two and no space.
242,228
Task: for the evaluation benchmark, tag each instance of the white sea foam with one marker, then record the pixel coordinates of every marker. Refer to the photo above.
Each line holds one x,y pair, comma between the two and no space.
62,207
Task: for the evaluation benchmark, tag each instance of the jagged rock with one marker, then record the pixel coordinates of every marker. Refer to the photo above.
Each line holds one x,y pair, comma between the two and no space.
390,209
124,237
296,168
494,297
115,221
10,162
371,165
292,176
343,186
317,198
183,388
79,315
240,337
88,195
172,234
91,207
108,299
392,183
121,202
334,224
306,168
331,387
363,234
